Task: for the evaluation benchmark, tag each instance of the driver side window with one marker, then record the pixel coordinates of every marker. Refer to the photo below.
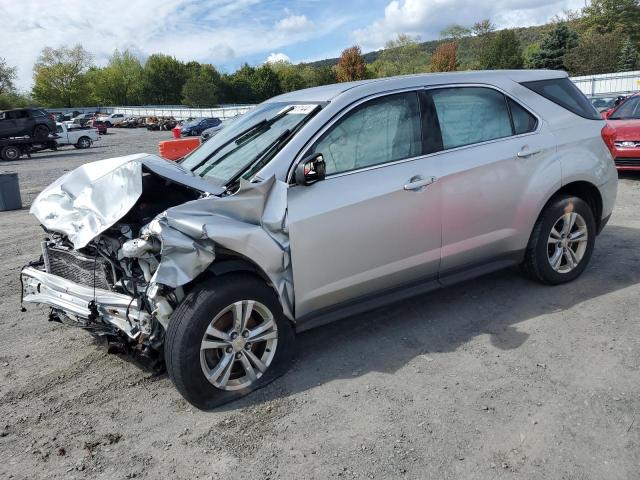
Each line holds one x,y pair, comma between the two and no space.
382,130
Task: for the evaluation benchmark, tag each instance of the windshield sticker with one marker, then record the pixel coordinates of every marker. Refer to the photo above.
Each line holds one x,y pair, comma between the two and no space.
298,109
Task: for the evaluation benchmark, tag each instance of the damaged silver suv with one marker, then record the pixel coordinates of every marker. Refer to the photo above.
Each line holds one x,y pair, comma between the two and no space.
317,205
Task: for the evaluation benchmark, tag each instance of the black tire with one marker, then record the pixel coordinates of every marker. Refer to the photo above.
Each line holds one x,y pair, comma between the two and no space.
83,142
108,124
10,153
40,131
537,264
187,330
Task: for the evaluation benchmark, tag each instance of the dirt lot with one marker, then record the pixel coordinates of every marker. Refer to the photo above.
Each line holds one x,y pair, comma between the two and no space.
494,378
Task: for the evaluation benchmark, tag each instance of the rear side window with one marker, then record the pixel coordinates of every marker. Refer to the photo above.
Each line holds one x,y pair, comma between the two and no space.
523,121
563,92
471,115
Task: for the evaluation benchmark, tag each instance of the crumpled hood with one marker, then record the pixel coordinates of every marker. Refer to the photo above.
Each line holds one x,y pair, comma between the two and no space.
252,222
90,199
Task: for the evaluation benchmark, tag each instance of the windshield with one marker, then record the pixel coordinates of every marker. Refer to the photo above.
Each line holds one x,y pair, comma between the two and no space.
243,147
628,110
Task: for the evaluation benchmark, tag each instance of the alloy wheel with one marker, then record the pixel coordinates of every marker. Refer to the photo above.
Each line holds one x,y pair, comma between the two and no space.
567,242
239,345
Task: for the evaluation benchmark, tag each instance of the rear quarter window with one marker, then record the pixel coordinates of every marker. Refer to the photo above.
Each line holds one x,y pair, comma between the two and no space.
564,93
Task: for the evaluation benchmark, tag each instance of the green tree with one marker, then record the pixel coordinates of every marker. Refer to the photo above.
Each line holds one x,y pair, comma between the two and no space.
162,80
351,65
445,58
455,32
289,75
401,56
504,52
265,83
119,83
60,77
315,76
8,76
554,46
628,59
202,88
483,33
530,53
608,16
595,53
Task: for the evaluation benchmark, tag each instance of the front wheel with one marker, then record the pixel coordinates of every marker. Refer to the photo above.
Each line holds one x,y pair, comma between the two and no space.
227,338
41,131
10,152
562,241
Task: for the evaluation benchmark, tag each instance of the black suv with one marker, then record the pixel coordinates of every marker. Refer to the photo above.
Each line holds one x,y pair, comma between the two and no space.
20,122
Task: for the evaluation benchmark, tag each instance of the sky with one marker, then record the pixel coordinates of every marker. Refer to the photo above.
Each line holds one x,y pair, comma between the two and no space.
228,33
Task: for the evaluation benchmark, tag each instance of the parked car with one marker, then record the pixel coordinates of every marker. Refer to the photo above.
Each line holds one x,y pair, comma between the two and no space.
31,122
99,125
624,131
196,127
210,132
320,204
113,119
83,118
602,104
79,137
64,117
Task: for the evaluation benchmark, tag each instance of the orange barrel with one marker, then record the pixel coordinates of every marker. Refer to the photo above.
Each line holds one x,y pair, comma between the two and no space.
176,149
176,131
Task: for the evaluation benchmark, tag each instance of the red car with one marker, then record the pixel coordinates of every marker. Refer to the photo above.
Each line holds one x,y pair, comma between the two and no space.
624,130
98,125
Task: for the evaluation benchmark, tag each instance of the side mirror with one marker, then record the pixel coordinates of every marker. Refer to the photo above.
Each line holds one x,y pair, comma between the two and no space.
310,170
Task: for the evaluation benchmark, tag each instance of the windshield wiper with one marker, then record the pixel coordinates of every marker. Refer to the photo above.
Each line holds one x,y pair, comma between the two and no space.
263,153
241,139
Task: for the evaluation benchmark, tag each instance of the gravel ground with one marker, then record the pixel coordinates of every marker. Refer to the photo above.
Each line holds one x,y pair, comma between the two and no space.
494,378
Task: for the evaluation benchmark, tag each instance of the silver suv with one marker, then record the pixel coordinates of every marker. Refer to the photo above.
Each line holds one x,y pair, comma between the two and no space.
320,204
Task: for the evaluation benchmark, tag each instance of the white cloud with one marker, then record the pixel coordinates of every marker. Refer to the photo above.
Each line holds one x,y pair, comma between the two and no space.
277,57
294,23
214,31
428,18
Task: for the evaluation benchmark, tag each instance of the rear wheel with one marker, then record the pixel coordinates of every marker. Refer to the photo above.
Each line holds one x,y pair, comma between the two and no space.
41,131
227,338
84,142
562,241
10,153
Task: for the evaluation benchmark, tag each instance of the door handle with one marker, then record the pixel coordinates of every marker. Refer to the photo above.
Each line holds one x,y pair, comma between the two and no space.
418,182
527,152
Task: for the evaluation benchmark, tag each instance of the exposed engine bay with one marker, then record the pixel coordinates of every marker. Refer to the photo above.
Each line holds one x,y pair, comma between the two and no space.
125,282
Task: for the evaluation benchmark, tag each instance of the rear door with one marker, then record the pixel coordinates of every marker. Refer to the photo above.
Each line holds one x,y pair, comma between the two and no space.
495,154
374,222
24,122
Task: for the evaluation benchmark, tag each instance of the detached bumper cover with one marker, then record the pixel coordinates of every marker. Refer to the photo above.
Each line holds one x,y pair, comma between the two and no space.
43,288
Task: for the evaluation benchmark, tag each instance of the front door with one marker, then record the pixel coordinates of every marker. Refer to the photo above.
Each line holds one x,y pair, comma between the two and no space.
374,223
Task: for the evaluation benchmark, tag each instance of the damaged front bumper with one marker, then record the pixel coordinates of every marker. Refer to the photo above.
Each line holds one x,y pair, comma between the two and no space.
83,304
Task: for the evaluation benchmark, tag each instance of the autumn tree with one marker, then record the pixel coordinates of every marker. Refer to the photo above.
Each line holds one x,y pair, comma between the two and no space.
445,58
351,65
59,76
401,56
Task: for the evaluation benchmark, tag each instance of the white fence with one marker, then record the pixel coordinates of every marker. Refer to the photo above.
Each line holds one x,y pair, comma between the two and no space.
183,113
608,83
